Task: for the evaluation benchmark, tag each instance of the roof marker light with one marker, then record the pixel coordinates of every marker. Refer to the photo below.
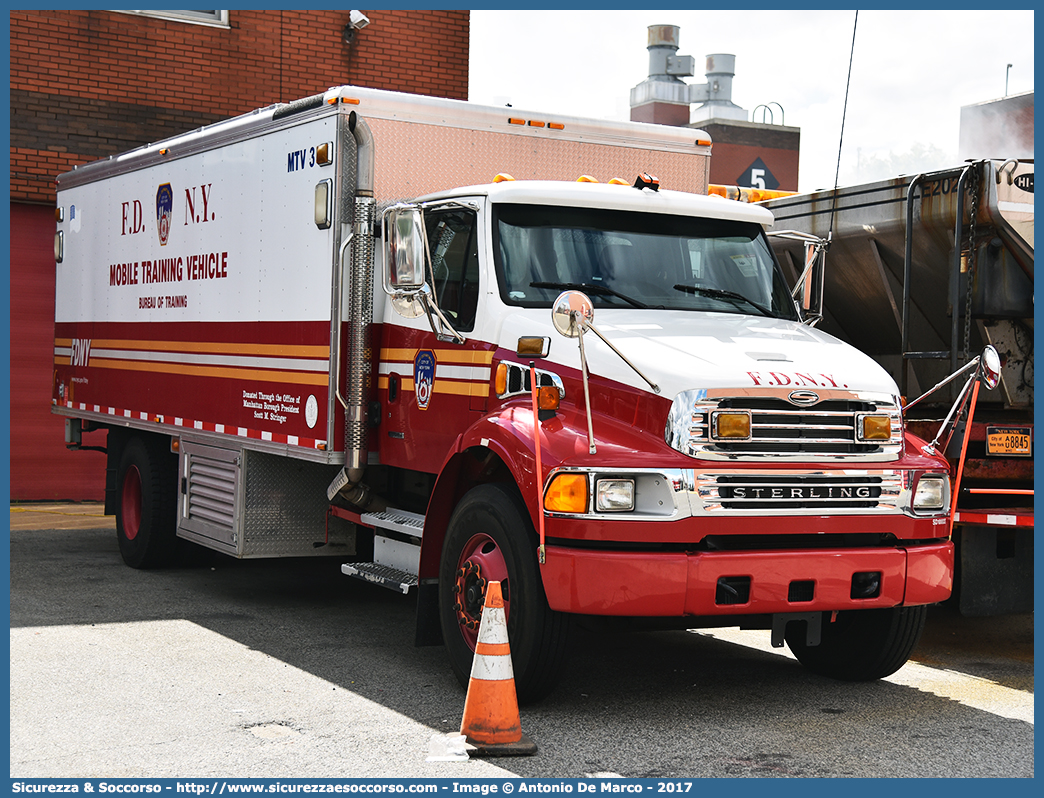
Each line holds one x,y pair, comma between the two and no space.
616,181
513,121
556,125
586,179
502,177
535,123
646,180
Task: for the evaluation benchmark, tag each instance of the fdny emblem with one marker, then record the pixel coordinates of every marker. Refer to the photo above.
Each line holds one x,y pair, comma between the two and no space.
164,211
803,397
424,377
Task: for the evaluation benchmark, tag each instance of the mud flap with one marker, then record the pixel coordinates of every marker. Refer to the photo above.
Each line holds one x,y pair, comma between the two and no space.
995,575
813,626
429,628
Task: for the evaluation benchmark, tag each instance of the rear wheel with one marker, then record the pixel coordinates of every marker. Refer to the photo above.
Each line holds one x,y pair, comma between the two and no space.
861,645
145,508
490,538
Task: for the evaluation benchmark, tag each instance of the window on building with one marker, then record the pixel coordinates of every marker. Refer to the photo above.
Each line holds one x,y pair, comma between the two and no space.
217,18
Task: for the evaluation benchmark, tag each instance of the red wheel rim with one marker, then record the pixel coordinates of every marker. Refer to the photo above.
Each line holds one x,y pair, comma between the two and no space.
481,561
130,503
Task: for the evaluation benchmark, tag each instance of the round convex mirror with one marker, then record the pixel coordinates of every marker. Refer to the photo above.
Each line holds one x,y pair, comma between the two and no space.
565,306
990,367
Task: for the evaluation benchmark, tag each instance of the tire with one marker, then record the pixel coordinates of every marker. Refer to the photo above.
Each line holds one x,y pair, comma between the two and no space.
861,645
146,497
490,538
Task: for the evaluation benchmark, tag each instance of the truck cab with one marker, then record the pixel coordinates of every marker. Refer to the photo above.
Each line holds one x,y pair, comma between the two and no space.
705,455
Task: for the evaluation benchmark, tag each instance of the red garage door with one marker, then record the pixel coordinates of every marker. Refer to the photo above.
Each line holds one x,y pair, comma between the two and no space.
41,467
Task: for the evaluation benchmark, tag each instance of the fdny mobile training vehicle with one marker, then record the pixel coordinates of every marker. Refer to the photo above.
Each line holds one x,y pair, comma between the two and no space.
292,354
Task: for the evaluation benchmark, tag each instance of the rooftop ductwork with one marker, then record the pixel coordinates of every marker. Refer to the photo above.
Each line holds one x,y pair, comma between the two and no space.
664,85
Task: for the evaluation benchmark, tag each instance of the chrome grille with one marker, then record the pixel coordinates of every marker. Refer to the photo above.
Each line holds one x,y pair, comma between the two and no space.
879,490
781,429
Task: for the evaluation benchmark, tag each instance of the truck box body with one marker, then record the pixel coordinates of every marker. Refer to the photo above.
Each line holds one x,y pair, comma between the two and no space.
231,294
189,280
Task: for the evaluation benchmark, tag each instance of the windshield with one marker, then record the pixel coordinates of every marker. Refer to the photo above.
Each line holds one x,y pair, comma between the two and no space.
638,260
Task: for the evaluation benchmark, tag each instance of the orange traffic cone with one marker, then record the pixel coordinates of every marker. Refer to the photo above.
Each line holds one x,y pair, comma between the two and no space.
491,720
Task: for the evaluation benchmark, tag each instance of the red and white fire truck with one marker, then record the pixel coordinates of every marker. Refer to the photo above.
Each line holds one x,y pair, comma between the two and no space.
400,331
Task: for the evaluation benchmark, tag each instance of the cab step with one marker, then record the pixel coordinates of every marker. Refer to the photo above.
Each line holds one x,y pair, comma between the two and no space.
395,562
383,575
396,520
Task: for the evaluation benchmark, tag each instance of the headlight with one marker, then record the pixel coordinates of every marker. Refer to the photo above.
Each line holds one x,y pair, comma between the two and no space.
932,493
614,495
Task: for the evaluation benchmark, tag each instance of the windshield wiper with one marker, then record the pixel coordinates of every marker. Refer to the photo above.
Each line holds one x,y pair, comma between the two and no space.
718,293
594,289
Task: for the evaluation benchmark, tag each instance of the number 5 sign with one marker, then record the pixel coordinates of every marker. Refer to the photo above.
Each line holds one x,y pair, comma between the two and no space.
758,175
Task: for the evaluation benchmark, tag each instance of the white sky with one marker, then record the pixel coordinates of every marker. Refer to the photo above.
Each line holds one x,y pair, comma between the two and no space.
912,71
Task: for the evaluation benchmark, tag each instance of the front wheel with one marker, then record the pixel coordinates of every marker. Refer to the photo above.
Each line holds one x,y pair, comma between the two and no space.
861,645
491,539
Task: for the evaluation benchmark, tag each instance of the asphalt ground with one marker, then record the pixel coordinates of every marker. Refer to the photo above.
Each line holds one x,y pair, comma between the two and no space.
288,669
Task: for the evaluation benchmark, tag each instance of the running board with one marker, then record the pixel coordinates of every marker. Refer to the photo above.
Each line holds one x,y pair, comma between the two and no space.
383,575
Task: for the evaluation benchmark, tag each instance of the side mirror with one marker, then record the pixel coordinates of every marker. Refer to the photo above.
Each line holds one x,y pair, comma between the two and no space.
403,249
811,285
990,367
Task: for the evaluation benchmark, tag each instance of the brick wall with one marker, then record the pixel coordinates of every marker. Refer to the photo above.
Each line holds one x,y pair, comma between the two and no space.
87,84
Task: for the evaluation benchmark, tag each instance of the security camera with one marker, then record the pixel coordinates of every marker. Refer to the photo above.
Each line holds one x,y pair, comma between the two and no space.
358,20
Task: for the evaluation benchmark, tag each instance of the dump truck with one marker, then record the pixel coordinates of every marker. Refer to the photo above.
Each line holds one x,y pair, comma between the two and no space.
925,270
363,325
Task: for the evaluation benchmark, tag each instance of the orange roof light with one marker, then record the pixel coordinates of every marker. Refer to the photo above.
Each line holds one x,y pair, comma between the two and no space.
502,177
556,125
586,179
514,121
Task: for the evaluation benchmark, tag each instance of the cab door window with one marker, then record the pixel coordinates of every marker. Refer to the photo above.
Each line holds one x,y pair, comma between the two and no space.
453,243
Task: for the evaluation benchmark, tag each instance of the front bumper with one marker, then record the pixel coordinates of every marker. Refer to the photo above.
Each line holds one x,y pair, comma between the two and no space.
648,584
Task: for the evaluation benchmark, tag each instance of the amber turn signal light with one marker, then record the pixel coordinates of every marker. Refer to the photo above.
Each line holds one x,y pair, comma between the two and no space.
567,493
731,426
548,397
875,428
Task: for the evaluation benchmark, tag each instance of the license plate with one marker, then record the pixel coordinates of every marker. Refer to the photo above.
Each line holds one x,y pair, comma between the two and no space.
1009,441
